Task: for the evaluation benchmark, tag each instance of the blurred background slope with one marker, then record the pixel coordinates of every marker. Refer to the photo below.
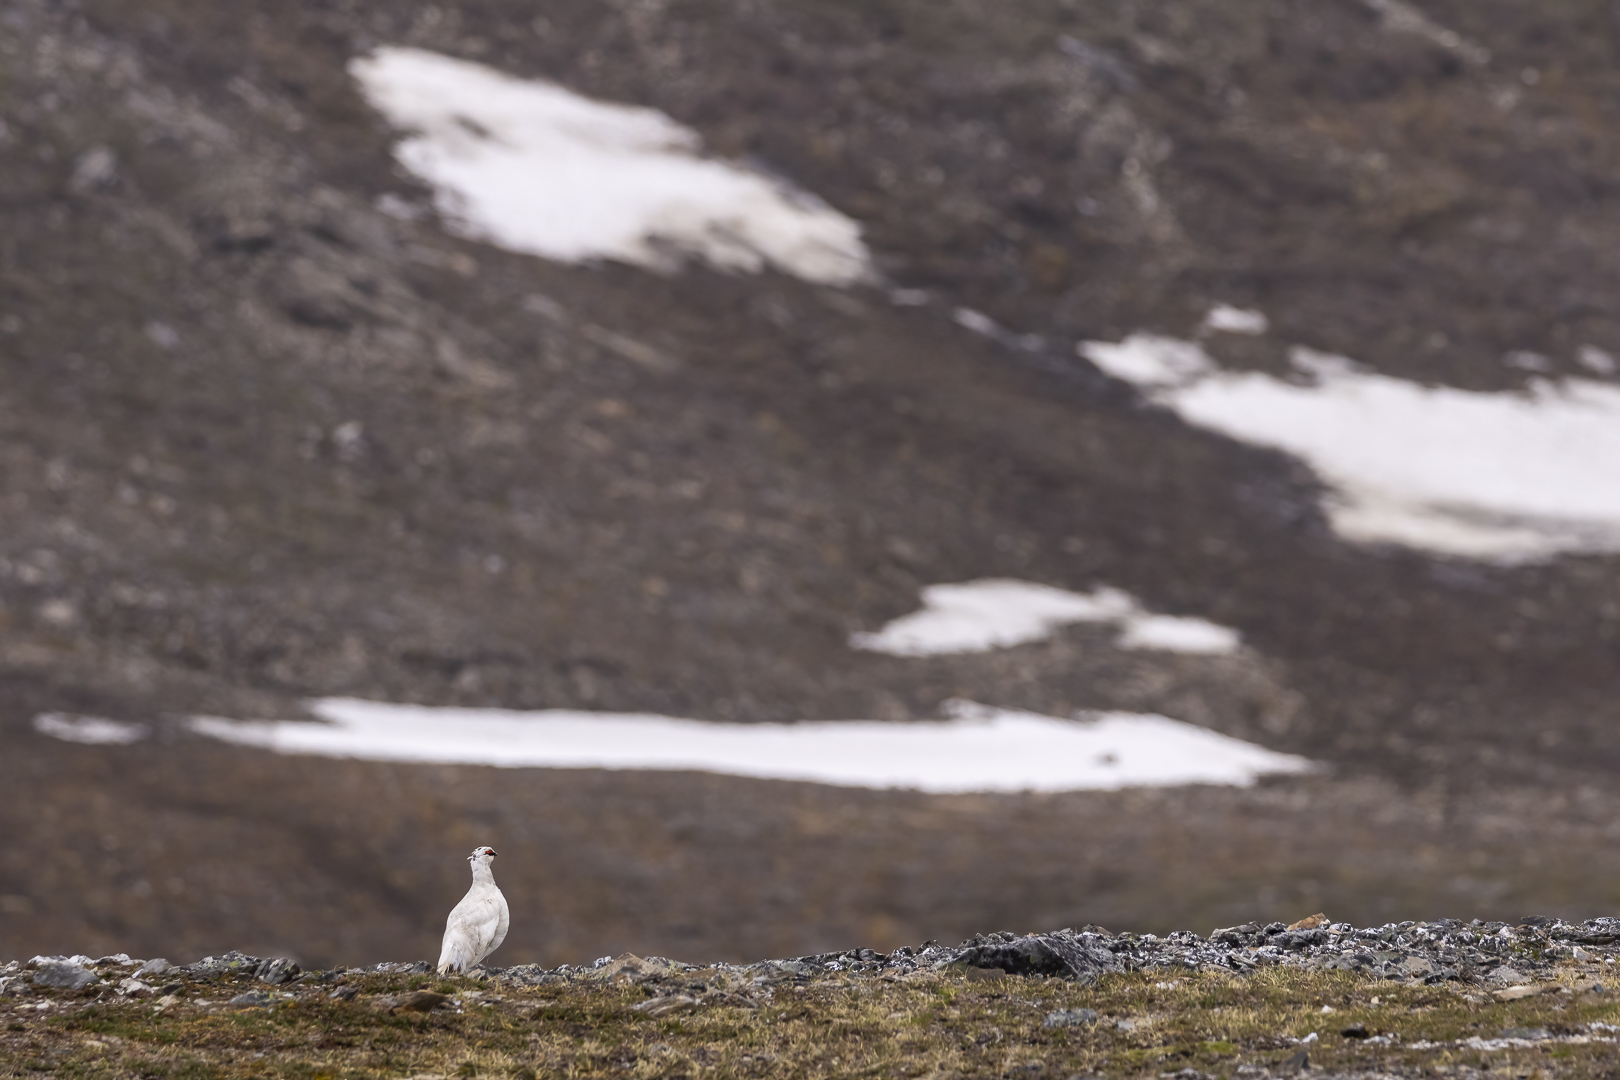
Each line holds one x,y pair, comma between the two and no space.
261,440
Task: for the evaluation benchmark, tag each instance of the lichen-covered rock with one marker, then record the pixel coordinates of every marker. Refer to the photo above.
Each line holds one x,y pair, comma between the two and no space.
277,971
228,964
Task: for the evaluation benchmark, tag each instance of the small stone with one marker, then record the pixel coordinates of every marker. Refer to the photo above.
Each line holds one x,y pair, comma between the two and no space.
421,1001
253,999
65,975
1418,966
1069,1017
96,167
631,966
666,1005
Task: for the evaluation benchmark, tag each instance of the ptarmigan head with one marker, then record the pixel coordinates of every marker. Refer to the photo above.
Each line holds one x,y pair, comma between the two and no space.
481,856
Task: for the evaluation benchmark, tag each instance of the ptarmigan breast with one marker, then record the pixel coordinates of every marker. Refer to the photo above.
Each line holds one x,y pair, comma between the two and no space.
476,926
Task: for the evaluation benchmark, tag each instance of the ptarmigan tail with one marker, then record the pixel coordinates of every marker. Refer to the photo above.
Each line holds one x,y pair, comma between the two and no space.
457,955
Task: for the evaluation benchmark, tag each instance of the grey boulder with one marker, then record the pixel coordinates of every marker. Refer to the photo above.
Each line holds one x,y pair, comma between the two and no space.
64,975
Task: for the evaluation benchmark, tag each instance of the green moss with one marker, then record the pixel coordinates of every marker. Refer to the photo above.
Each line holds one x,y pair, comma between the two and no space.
935,1023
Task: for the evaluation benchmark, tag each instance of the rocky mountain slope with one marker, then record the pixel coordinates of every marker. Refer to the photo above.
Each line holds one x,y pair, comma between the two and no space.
269,431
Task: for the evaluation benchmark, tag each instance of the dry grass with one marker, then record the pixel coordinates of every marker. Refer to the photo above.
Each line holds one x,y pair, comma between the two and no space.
928,1025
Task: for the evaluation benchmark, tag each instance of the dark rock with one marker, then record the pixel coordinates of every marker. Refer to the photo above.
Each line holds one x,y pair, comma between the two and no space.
253,999
1067,955
1236,935
421,1001
1295,940
64,975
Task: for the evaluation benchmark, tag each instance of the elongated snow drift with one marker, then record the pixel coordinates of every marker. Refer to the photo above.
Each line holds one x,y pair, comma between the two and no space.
978,749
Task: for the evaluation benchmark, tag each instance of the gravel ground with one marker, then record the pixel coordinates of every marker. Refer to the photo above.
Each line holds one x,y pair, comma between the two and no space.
1493,955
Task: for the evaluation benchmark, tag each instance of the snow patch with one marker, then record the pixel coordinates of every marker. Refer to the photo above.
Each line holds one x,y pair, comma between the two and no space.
532,167
89,729
978,749
1596,360
1169,633
1235,320
976,616
1504,477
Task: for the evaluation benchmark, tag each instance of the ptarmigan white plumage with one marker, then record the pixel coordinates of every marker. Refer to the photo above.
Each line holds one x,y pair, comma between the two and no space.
476,926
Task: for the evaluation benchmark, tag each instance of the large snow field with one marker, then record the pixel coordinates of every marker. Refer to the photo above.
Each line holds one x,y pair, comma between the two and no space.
1504,477
978,749
976,616
532,167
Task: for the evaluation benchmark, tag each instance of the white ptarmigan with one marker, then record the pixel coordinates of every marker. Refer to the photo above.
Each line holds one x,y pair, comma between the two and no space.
476,926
